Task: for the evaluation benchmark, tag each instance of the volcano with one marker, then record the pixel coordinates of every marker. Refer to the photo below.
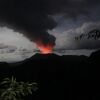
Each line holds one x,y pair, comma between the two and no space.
58,76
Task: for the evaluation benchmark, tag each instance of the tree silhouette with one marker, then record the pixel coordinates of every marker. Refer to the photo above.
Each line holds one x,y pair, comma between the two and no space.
13,90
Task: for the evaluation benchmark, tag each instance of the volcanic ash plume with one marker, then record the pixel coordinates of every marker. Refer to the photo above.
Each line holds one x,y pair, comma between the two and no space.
46,44
33,18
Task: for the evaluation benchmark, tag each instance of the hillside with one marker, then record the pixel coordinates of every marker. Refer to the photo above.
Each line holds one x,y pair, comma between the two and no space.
58,77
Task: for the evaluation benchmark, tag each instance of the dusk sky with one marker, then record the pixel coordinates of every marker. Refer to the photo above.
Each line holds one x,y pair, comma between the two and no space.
29,25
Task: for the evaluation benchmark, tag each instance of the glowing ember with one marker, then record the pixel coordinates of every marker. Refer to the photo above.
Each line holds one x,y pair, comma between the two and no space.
44,49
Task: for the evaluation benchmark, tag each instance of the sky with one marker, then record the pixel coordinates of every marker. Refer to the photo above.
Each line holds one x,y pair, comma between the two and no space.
29,25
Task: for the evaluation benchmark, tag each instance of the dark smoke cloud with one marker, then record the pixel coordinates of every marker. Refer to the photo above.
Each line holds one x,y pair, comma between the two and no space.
33,17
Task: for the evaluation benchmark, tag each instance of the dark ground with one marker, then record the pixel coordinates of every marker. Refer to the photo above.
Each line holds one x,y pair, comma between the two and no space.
58,77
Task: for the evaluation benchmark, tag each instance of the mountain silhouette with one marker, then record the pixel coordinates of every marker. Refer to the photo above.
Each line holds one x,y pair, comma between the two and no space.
44,56
58,77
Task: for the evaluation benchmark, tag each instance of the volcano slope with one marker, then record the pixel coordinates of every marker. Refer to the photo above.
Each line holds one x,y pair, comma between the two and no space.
58,77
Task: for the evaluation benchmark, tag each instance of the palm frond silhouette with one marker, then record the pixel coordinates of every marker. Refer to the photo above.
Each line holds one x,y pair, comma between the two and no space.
13,90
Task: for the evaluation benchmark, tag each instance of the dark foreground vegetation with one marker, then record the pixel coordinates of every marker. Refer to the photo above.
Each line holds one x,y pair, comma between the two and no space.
58,77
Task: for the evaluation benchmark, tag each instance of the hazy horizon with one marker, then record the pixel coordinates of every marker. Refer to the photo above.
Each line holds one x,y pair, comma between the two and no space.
20,56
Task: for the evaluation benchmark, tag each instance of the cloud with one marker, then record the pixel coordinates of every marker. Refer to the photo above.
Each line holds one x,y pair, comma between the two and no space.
7,48
66,38
10,53
14,46
10,37
74,52
86,27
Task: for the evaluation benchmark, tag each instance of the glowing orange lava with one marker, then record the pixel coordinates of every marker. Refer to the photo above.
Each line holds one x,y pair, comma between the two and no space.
44,49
